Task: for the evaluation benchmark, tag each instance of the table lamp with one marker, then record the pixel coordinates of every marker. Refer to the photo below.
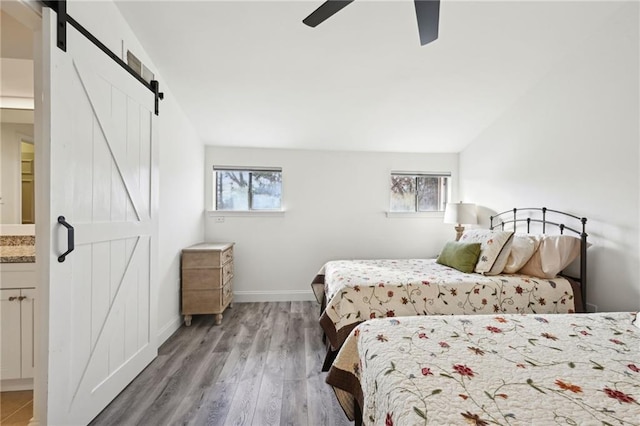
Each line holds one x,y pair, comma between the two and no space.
460,214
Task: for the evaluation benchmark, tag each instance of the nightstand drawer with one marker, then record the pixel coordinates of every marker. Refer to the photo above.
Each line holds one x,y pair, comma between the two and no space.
227,272
201,260
206,301
202,279
203,256
227,294
227,255
202,301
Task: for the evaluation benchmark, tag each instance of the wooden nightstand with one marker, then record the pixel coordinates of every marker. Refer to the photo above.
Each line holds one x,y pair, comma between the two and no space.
207,275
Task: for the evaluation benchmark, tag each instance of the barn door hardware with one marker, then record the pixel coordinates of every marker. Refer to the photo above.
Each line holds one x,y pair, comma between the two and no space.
70,238
60,7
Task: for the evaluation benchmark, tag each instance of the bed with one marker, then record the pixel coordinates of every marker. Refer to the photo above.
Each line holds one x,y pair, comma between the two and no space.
491,369
352,291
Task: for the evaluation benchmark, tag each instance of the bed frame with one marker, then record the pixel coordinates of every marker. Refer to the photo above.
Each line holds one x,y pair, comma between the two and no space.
531,215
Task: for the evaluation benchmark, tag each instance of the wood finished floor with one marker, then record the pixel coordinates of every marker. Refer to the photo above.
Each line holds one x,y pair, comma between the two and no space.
262,367
16,408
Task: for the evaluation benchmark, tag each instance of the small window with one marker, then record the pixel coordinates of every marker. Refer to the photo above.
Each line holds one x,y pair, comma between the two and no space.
244,189
419,192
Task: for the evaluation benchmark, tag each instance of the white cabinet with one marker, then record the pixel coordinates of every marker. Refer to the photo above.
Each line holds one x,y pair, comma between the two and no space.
27,310
16,329
11,332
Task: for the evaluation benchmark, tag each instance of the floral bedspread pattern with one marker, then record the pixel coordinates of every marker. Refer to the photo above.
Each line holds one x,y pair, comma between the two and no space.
358,290
492,369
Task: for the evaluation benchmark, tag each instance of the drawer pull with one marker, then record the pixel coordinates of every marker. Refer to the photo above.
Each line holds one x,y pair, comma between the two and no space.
12,298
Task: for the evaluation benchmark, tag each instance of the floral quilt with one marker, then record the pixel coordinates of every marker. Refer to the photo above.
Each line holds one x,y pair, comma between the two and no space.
581,369
358,290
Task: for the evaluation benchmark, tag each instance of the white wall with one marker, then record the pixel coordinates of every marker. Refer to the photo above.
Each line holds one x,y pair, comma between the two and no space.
572,143
10,170
335,206
181,221
181,202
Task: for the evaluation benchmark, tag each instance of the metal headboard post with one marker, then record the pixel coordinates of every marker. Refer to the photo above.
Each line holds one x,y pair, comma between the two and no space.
561,226
583,263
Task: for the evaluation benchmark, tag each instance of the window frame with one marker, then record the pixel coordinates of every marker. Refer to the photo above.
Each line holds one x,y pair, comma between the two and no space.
416,204
250,171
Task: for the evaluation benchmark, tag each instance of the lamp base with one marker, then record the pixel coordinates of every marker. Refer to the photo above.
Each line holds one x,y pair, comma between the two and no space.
459,230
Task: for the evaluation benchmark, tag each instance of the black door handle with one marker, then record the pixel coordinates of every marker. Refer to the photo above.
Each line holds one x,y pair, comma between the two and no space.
70,238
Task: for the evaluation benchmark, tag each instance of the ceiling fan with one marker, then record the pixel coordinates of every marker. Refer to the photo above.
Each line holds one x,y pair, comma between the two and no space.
427,12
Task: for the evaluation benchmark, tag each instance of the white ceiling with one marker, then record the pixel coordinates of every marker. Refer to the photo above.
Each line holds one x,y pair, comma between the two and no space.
251,74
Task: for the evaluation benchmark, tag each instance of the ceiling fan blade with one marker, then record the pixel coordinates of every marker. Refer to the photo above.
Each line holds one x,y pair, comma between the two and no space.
325,11
428,14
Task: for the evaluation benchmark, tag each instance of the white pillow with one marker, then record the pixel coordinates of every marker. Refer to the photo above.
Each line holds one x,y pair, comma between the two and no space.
554,254
492,243
501,260
522,248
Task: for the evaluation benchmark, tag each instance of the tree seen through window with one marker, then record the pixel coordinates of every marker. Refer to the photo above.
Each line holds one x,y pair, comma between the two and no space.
248,189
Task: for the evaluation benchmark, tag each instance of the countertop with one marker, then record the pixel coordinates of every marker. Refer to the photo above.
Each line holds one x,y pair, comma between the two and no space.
17,249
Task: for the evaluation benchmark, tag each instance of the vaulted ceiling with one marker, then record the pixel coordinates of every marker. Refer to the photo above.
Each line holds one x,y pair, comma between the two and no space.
250,73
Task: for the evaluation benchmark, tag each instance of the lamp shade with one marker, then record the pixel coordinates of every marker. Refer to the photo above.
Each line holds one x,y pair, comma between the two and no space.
460,213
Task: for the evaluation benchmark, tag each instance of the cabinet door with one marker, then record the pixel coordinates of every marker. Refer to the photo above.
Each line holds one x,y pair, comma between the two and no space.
10,333
27,308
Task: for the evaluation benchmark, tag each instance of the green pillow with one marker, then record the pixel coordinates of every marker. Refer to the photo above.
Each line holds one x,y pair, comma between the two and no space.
461,256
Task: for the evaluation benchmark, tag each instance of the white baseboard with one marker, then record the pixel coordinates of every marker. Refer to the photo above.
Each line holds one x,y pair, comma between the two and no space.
11,385
273,296
168,330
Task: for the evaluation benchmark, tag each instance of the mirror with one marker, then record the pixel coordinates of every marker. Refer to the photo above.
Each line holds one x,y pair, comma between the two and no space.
17,172
16,121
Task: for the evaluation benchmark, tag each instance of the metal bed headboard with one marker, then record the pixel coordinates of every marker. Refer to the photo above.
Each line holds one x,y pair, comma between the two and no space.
540,216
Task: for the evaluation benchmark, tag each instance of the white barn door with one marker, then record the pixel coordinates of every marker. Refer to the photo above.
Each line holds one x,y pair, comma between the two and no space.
103,177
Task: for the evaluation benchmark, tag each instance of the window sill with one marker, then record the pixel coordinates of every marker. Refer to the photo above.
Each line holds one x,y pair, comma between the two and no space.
415,215
245,213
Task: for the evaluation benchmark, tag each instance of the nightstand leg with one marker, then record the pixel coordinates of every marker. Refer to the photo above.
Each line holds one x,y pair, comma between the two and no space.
187,320
218,319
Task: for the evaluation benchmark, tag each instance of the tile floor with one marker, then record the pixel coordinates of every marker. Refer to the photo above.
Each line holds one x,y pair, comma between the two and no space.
16,408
